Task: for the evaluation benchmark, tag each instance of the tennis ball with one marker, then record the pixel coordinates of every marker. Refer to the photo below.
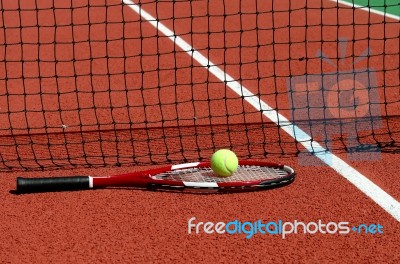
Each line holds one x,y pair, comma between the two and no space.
224,162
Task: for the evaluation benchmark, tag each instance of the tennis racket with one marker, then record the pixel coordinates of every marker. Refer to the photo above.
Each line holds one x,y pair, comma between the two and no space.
251,175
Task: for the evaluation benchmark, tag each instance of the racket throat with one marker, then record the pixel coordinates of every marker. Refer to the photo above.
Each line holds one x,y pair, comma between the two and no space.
103,182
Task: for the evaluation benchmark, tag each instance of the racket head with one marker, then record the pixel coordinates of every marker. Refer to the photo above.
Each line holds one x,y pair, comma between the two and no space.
250,175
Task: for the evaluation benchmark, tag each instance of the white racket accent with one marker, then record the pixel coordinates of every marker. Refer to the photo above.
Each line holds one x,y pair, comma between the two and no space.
185,165
289,169
201,184
90,182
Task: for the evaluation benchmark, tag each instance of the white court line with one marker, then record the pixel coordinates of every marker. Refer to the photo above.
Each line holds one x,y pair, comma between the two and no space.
367,9
383,199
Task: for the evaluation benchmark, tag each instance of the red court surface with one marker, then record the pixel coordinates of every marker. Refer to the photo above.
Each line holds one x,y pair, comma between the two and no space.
140,226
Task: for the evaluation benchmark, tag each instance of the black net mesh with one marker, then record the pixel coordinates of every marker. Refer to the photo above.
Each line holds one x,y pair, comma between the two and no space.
94,83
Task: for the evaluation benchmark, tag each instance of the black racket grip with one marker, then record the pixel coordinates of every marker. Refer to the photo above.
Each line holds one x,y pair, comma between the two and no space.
30,185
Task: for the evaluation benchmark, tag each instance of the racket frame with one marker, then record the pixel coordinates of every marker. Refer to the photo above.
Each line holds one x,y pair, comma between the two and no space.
146,179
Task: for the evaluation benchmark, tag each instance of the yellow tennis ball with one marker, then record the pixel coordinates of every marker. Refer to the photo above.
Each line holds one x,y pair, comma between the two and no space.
224,162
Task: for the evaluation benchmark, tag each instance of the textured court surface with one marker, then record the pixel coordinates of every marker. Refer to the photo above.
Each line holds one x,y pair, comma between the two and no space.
139,226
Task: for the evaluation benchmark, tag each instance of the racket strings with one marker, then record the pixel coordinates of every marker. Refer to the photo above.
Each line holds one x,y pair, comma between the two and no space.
205,174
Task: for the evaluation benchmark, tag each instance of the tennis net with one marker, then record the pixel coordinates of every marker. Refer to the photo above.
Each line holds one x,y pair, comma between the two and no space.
95,83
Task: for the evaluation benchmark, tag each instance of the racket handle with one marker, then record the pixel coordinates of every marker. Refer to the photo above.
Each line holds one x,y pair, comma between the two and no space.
30,185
